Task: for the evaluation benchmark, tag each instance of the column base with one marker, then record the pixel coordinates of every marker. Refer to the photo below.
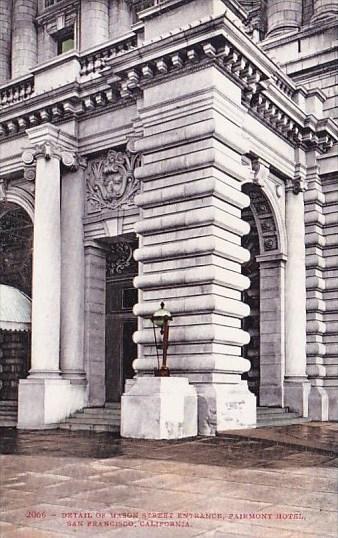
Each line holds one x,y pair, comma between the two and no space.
318,403
43,403
224,407
75,376
159,408
296,395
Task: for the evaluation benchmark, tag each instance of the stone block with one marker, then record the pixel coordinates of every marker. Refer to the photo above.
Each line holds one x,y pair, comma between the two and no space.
43,403
225,406
159,408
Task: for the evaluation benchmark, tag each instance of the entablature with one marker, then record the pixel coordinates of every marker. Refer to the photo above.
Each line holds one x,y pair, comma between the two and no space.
120,71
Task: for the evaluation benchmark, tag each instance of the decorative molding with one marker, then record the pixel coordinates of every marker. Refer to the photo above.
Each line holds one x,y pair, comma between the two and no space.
120,259
3,189
110,180
69,159
264,218
297,184
124,70
261,171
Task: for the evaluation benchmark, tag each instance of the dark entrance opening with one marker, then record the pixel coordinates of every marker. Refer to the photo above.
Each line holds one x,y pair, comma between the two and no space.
251,296
16,243
121,323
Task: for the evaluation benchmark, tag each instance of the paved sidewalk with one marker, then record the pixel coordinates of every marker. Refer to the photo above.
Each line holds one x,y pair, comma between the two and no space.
258,483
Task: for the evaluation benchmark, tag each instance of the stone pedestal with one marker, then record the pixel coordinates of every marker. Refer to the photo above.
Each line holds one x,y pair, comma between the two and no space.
159,408
225,407
43,403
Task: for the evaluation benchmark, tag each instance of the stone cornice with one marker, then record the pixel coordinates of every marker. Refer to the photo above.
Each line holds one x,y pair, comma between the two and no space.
266,92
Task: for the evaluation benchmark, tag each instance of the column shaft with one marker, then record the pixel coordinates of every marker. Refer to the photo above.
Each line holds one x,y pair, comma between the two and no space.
24,36
295,321
46,270
94,23
5,39
283,16
120,18
72,270
324,8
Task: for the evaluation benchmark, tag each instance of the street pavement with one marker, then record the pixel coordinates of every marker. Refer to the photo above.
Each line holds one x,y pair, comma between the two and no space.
265,483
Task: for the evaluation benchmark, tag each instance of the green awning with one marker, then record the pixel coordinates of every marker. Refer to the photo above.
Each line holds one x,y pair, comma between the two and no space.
15,309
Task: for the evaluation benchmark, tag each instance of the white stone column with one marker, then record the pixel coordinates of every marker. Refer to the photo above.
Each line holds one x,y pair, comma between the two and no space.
94,23
46,267
45,398
324,9
296,384
120,18
24,36
283,16
5,39
72,270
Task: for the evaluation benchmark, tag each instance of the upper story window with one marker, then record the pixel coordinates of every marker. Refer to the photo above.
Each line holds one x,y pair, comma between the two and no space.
65,40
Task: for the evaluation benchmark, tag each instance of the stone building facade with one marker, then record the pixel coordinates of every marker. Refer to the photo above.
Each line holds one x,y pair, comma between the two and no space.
176,150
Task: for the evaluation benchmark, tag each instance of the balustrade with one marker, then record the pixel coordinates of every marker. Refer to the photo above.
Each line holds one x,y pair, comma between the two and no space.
93,62
14,92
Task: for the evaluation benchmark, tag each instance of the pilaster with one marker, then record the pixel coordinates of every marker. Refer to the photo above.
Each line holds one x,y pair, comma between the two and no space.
315,286
296,384
95,319
72,270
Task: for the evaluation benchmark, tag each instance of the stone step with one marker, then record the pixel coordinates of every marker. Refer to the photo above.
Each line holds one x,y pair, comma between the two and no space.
109,405
277,416
271,410
90,427
96,412
282,421
78,419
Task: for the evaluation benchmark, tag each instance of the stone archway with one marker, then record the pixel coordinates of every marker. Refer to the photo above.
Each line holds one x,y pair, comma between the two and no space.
16,243
265,298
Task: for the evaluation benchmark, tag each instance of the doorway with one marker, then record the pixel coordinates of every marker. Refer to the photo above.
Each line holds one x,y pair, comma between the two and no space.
16,245
251,296
121,323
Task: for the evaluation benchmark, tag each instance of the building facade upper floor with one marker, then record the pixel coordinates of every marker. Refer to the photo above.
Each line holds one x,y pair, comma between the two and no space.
93,63
33,32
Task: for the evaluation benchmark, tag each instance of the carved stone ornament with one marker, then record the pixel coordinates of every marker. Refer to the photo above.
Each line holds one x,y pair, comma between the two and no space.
111,183
264,217
120,259
298,185
261,171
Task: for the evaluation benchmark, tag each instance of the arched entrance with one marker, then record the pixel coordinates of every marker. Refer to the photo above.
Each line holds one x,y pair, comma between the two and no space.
16,242
265,324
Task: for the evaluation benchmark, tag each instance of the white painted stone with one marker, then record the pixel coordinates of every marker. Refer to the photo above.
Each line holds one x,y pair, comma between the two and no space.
224,407
159,408
43,403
